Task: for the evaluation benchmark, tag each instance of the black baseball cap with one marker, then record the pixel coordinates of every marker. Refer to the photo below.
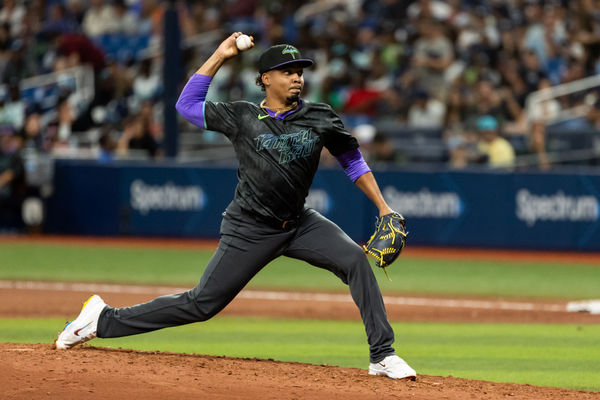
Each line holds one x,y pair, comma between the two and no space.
281,55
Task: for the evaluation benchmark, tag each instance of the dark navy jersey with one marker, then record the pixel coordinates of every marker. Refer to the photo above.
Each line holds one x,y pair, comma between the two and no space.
278,158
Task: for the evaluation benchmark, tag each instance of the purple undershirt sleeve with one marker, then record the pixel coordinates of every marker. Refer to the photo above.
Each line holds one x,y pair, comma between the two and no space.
354,164
191,100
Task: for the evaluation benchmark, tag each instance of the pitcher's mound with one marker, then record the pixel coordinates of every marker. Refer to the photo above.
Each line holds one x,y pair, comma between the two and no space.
38,371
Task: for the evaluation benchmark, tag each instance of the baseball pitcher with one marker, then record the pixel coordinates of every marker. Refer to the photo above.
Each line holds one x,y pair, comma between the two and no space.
278,143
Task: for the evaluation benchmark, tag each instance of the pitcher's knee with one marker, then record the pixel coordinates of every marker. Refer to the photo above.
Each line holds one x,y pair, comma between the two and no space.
204,311
204,307
209,307
355,258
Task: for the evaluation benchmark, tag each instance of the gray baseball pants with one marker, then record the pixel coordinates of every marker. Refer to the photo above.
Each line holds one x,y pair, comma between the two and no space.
246,246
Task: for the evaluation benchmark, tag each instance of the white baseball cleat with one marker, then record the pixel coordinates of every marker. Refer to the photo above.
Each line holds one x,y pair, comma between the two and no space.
393,367
82,328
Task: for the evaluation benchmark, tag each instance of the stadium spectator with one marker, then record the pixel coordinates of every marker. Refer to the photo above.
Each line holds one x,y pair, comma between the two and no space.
456,108
360,98
547,111
425,112
149,113
433,54
12,13
97,19
382,149
32,135
146,23
436,9
531,70
156,11
458,150
12,182
76,9
584,26
136,136
496,151
12,111
59,20
107,147
123,20
147,82
34,20
19,64
542,114
499,103
59,129
5,41
510,77
79,50
536,35
121,79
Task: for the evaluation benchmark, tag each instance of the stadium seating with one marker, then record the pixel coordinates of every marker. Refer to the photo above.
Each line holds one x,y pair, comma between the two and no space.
123,48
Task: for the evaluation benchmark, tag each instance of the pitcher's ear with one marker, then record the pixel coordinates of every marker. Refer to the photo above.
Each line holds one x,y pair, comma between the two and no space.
266,78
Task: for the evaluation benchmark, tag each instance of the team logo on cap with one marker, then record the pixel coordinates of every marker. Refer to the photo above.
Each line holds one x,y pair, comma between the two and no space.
290,50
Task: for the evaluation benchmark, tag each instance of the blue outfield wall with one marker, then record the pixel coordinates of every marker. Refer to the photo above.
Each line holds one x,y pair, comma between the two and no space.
449,208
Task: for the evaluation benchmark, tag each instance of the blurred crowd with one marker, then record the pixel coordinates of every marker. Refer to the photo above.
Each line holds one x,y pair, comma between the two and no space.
431,64
451,66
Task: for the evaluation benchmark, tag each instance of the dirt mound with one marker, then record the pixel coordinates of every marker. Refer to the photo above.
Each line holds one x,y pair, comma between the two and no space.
38,371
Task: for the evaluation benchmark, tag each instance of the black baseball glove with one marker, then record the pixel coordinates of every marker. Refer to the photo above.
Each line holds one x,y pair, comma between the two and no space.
388,240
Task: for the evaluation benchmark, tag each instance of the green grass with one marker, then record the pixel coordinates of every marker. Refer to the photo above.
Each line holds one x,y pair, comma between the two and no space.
549,355
184,267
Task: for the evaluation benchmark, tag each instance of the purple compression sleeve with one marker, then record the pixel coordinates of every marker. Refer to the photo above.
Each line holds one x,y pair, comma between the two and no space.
191,100
354,164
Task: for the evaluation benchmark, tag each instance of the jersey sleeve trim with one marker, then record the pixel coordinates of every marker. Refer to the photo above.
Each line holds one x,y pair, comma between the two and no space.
354,164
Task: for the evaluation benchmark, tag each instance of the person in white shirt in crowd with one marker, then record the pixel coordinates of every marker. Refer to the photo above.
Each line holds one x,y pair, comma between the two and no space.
425,111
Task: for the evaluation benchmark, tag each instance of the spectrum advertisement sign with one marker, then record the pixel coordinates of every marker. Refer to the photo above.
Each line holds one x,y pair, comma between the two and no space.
546,211
447,208
173,201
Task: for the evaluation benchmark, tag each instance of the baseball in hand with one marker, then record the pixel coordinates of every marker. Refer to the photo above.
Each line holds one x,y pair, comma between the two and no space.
243,42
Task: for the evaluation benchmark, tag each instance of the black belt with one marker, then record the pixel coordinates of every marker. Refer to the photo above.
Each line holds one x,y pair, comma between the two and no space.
286,225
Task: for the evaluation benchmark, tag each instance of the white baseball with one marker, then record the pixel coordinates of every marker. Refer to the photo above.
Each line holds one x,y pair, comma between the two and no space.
243,42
